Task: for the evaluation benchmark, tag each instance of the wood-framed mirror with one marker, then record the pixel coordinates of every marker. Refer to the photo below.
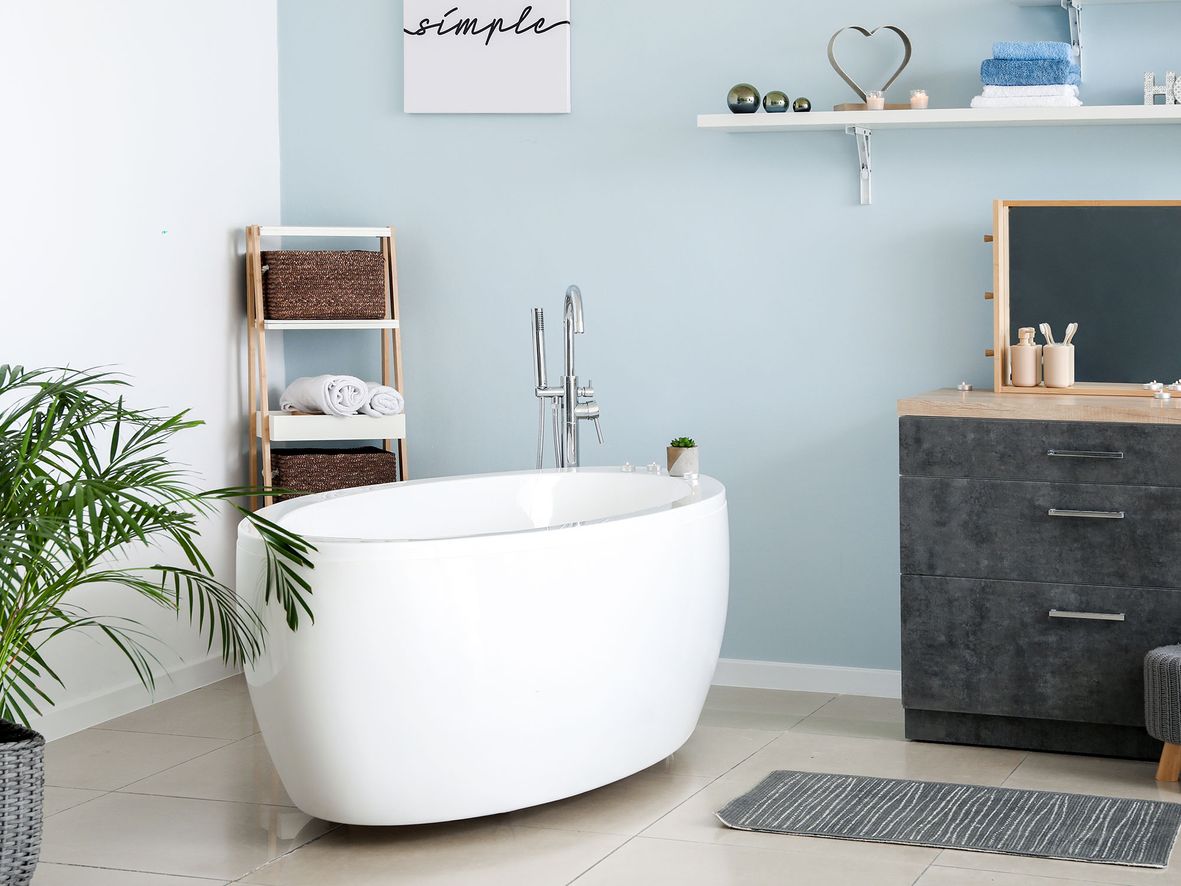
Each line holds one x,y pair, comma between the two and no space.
1113,267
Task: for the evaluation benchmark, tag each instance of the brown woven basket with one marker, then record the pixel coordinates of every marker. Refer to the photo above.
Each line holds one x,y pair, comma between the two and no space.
322,285
305,471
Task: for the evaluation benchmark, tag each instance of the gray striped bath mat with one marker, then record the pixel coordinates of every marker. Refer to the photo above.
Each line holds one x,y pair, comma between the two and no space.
1043,824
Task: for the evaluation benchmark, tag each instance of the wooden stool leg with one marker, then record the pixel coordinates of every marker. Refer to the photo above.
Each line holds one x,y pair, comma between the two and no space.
1170,763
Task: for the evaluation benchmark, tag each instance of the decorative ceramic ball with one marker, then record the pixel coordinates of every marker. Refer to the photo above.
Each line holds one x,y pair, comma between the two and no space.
776,102
743,99
801,105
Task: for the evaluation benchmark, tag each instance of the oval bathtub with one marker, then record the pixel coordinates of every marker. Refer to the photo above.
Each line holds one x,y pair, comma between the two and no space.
487,643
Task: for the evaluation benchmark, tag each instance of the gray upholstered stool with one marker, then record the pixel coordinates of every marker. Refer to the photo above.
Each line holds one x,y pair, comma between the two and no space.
1162,707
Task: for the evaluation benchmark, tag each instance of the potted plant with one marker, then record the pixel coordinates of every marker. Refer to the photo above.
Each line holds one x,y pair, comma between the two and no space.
683,458
86,481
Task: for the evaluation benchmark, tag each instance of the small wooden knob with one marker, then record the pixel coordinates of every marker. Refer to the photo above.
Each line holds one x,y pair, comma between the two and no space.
989,296
988,238
989,353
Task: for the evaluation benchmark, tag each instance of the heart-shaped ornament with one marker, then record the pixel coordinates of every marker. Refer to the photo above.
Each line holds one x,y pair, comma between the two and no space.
832,59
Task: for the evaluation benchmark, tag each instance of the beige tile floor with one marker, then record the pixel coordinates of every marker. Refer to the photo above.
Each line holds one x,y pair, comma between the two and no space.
183,794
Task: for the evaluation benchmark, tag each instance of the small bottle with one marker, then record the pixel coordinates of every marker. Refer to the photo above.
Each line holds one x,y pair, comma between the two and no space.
875,101
1025,358
919,100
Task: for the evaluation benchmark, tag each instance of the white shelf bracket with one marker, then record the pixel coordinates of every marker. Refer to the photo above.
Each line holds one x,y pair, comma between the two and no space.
1074,11
865,164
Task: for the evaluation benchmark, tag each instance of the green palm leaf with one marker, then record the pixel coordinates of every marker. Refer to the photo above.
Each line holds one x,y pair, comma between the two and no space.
85,483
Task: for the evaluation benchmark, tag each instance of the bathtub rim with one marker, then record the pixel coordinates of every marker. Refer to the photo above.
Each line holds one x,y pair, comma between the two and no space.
699,491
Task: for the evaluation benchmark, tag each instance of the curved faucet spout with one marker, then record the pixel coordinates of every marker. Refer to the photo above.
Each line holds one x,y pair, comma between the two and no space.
572,309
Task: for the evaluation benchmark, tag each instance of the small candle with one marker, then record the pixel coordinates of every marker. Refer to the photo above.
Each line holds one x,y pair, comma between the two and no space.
875,101
919,100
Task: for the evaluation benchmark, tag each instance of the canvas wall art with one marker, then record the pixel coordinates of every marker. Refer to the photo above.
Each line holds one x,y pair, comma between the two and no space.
487,56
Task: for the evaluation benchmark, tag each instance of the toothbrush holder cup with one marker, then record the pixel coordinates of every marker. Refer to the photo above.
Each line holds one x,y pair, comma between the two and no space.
1058,365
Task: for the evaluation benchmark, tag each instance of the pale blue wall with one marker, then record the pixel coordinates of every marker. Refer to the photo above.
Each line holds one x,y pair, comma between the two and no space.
735,291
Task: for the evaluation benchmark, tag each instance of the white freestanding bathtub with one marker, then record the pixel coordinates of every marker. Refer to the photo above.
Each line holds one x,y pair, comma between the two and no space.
488,643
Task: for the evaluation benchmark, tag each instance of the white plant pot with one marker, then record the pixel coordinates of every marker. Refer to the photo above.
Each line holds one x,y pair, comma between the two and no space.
683,462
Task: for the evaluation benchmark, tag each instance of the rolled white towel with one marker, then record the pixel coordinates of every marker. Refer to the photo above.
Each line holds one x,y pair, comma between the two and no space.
1027,91
327,394
1033,101
382,400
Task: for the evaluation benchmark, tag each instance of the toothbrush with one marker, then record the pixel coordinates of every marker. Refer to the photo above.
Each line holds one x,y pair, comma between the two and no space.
1048,333
1070,331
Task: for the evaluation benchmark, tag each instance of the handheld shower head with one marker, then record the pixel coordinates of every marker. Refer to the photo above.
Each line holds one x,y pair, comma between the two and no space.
539,373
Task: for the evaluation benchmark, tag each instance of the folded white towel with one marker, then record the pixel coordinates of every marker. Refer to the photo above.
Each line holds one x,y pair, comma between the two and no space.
1033,101
382,400
327,394
1026,91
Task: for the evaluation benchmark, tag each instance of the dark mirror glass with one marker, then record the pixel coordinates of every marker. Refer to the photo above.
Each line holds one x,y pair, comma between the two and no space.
1114,270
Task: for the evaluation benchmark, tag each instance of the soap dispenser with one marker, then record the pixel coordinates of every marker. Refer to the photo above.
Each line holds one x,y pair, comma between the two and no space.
1025,358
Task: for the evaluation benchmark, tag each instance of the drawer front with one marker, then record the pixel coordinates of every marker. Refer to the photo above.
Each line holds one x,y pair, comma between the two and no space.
1084,452
1005,530
989,647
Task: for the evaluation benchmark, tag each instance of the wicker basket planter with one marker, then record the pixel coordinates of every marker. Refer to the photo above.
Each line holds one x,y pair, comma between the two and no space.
305,471
22,786
323,285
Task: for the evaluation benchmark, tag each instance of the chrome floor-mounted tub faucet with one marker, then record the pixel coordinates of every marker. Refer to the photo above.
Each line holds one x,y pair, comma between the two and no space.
570,403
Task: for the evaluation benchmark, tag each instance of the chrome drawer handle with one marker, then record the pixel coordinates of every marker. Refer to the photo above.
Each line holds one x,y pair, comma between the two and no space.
1088,616
1089,515
1082,453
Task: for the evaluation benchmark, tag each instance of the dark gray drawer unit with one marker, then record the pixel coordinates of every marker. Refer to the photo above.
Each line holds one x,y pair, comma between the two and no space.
1056,451
1039,563
1068,532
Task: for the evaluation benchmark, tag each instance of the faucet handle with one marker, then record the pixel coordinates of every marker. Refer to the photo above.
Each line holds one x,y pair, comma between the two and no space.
589,411
588,392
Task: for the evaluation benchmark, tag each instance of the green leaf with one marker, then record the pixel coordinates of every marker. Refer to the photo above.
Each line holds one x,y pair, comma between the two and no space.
86,484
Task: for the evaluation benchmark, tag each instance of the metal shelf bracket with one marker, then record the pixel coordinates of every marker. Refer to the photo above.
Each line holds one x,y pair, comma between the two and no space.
1074,11
865,164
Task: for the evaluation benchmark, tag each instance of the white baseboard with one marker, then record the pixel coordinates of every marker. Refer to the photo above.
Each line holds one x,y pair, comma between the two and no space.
808,678
69,717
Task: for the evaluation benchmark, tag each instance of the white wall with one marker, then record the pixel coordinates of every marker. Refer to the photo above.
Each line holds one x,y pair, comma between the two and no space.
139,137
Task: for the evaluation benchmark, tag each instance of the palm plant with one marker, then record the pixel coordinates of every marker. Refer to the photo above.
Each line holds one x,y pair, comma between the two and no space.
84,481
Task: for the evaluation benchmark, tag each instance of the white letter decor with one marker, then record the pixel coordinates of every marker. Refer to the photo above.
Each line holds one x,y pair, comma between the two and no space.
487,56
1171,91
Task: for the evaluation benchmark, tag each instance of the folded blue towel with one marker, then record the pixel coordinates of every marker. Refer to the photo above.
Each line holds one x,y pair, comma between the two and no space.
1028,72
1038,49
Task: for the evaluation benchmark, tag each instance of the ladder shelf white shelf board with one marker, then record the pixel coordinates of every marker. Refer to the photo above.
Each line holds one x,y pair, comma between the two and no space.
329,324
301,231
288,427
862,124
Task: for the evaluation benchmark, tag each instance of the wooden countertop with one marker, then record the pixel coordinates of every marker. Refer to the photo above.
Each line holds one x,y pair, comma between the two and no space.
1043,407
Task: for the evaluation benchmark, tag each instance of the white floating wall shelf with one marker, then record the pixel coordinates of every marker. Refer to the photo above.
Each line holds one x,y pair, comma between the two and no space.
862,124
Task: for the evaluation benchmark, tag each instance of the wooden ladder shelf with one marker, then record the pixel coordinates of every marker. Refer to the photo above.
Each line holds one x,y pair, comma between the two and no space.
267,426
